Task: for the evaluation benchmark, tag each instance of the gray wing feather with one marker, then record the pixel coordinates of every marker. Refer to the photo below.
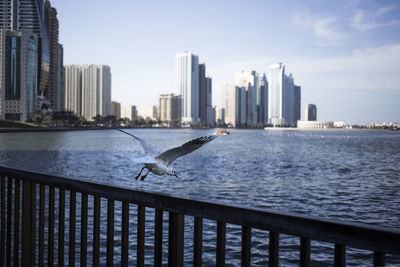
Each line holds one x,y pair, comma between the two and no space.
148,148
170,155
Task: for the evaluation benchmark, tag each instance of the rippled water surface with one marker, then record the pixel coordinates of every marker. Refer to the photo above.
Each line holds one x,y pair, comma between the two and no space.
347,175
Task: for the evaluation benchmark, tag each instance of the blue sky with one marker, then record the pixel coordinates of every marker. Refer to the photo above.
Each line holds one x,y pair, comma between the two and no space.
344,54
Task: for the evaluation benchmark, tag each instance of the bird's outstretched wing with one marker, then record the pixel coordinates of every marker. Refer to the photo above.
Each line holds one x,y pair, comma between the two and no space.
170,155
146,159
148,148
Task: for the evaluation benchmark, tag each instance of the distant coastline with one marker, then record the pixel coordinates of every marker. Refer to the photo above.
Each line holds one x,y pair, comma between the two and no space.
60,129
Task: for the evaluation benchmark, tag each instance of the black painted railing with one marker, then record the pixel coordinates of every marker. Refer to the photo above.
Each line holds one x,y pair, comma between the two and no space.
32,203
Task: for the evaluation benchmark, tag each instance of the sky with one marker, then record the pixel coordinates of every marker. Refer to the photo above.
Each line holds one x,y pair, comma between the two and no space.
344,54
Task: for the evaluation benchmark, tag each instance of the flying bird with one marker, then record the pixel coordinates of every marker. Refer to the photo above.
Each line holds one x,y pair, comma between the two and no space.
159,163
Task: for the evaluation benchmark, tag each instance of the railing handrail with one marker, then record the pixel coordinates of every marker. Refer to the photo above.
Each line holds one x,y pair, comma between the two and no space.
357,235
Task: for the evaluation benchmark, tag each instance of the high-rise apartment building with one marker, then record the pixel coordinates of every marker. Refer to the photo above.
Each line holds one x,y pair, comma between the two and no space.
187,83
310,113
205,96
88,90
233,101
126,111
169,108
35,17
281,97
116,109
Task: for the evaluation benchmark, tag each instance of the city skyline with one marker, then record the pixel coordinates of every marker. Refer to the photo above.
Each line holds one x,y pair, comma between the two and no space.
343,54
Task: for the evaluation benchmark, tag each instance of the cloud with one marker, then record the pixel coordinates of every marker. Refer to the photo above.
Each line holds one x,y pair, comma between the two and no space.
367,20
325,29
373,69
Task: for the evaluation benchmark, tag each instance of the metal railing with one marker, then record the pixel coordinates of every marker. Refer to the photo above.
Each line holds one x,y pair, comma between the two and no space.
26,230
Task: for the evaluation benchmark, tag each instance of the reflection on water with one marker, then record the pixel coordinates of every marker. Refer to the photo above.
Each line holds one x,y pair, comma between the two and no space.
346,175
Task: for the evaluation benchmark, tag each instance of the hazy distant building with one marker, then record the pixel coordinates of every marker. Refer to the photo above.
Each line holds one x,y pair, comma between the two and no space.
233,101
297,103
116,109
187,75
18,74
205,97
281,97
149,112
248,81
262,99
88,90
310,112
315,124
134,113
220,116
126,111
169,108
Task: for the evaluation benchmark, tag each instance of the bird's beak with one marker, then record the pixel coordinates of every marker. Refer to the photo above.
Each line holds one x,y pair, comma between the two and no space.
176,176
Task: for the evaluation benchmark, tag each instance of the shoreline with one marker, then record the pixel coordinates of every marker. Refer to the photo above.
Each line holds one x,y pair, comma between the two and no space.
62,129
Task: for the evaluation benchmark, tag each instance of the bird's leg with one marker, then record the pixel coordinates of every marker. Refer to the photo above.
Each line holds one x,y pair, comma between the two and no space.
137,176
144,176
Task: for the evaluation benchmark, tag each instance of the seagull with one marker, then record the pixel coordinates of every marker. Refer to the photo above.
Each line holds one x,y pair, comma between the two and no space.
160,163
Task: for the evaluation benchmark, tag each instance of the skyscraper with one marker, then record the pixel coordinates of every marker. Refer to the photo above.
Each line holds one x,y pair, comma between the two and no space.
310,113
169,108
297,103
73,85
26,17
116,109
262,99
18,74
29,15
234,103
54,90
88,90
248,81
187,75
281,97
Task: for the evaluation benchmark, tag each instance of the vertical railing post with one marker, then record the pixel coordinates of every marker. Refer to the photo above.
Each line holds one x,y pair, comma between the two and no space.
84,220
72,228
304,252
16,222
9,216
246,246
50,239
28,229
175,239
125,235
379,259
96,231
273,249
140,235
158,229
41,224
340,255
221,243
61,227
110,233
198,241
3,221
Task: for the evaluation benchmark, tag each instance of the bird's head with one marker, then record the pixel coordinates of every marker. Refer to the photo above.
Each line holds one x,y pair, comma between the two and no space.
172,173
